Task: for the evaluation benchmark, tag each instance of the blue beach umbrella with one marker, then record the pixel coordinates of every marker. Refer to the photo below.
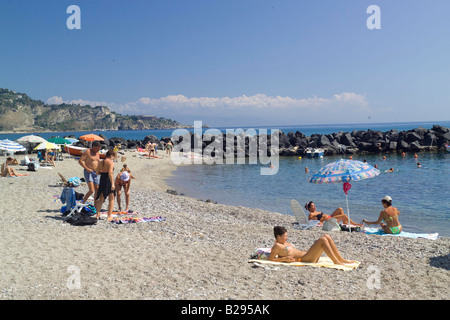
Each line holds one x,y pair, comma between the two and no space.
11,146
344,171
72,141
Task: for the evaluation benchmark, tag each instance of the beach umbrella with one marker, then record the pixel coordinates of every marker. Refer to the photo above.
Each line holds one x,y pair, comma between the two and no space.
91,137
59,140
31,139
47,145
344,171
11,146
72,140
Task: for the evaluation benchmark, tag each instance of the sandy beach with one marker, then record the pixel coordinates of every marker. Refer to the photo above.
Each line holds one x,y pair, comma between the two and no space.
201,251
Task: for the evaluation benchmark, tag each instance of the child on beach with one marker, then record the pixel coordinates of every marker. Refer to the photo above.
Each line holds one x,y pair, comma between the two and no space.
287,253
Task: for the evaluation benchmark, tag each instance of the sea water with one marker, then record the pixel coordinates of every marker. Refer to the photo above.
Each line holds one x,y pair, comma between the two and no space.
421,194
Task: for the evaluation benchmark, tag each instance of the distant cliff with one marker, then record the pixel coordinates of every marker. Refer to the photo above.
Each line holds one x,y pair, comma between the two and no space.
20,113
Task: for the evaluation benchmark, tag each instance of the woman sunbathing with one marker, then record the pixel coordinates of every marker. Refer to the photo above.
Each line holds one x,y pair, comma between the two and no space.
8,171
390,216
338,214
283,251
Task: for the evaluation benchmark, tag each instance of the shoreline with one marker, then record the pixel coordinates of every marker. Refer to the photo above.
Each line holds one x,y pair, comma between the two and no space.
200,252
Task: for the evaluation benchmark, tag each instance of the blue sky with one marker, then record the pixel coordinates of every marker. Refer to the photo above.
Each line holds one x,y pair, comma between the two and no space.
234,63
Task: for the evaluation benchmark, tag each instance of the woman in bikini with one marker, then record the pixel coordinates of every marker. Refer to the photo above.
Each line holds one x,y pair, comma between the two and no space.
283,251
338,214
123,179
6,170
390,216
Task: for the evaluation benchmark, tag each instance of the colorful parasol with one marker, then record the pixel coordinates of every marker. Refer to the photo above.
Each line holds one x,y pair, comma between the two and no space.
31,139
344,171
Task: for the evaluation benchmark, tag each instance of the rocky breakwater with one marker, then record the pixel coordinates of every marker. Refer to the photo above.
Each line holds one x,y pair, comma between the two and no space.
296,143
367,142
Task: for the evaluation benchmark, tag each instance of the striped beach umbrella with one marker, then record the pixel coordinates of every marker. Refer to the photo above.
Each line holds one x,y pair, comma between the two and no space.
30,139
11,146
344,171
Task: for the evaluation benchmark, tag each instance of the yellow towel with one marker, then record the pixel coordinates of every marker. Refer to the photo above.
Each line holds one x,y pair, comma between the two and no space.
323,262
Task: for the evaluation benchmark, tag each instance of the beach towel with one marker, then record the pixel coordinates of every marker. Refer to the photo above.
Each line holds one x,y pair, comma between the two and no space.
378,231
137,220
261,255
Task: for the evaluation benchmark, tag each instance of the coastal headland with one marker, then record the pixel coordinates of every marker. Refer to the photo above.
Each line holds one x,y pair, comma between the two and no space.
200,251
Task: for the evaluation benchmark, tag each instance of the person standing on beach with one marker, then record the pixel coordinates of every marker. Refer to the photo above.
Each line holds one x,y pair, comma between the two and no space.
106,188
89,161
169,148
123,179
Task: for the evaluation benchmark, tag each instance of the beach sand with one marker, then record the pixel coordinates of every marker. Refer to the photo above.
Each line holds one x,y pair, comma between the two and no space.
201,251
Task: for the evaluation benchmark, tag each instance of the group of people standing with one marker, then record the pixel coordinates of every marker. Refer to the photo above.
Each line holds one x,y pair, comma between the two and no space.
99,176
152,149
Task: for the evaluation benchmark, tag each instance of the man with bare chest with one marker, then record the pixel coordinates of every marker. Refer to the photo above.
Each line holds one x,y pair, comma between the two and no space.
89,161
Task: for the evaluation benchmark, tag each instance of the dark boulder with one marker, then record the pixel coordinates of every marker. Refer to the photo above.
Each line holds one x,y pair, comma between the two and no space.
412,136
346,139
429,140
323,141
151,139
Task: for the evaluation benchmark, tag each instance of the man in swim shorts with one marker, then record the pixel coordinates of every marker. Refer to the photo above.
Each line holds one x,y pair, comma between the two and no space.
89,161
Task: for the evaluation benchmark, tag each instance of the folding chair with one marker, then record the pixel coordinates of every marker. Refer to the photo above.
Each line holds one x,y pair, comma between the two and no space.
302,222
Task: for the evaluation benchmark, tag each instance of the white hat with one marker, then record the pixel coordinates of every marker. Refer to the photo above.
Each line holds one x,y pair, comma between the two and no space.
125,176
387,198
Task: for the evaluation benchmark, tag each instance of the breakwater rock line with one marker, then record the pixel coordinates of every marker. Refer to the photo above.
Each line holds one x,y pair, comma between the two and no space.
296,143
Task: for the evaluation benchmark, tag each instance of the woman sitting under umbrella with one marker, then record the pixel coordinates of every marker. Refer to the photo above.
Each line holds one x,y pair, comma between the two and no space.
338,214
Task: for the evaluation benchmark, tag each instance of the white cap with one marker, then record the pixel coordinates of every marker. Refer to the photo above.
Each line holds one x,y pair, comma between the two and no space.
125,176
387,198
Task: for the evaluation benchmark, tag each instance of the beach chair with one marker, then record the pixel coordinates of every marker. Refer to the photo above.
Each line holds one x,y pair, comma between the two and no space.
302,222
69,198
